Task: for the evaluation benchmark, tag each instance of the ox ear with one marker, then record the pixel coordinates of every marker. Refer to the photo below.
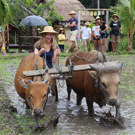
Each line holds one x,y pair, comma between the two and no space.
93,74
22,82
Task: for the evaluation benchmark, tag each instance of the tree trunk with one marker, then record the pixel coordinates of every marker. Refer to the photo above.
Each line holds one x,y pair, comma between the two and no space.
129,48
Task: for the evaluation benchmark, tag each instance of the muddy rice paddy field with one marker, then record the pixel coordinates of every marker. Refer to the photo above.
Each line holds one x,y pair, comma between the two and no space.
15,119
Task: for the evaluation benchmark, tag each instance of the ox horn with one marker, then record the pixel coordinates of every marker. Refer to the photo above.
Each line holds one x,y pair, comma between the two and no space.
45,81
94,68
120,66
30,81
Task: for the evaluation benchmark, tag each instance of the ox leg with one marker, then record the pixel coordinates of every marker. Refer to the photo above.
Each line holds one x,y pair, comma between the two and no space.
118,110
56,90
79,99
69,92
27,106
90,107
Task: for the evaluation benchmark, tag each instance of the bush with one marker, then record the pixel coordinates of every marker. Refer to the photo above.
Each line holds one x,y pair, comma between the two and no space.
123,43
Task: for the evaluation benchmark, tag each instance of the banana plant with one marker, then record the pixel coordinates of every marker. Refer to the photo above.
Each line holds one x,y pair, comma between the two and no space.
5,17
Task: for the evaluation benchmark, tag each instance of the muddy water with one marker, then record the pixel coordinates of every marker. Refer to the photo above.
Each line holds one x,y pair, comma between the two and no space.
74,120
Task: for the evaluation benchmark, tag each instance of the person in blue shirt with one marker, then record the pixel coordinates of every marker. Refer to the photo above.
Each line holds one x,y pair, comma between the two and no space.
46,46
72,24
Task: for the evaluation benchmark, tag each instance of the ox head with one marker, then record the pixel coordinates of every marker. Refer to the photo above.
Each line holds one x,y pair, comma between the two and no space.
107,80
36,94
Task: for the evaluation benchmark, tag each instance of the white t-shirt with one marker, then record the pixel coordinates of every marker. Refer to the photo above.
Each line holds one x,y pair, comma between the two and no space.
96,30
86,31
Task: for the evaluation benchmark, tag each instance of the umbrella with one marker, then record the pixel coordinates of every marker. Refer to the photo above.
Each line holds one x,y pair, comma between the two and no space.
33,20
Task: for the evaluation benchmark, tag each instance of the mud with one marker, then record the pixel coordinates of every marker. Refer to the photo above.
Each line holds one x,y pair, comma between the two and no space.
73,120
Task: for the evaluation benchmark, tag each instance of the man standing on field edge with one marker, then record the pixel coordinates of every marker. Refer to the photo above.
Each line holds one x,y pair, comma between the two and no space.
72,24
86,35
115,26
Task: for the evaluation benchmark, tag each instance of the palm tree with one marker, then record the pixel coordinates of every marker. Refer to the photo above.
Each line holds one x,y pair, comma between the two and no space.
126,11
5,17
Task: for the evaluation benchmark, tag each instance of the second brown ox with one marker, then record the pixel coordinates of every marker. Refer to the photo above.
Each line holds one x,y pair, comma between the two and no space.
99,85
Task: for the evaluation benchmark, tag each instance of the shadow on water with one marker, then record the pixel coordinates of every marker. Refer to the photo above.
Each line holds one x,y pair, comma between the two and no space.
74,120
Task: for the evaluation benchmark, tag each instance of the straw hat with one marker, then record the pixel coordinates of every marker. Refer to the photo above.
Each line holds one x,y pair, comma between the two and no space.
98,18
87,23
61,29
38,29
48,29
72,12
115,15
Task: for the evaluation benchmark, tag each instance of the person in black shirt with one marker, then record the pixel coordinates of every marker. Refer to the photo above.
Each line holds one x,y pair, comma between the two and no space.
115,28
103,32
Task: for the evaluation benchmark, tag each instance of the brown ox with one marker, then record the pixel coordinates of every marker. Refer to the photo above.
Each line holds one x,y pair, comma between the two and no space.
34,92
100,85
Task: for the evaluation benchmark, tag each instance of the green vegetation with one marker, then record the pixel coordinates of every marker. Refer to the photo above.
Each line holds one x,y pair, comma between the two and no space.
28,7
5,63
103,3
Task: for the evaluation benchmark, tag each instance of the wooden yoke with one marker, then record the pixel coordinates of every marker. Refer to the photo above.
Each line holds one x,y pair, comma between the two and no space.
65,70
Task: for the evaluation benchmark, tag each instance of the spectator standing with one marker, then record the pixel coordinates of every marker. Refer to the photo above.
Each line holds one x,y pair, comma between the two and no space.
61,39
103,32
72,24
38,31
96,35
115,28
86,35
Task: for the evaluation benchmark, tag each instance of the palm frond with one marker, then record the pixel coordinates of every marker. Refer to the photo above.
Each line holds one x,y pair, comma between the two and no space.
125,3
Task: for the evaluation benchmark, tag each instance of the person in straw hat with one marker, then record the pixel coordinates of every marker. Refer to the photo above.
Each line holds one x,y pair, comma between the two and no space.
38,31
96,35
72,24
86,35
61,39
103,32
115,28
47,47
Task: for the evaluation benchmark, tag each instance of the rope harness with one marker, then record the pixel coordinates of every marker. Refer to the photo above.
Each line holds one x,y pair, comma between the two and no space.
65,76
59,69
70,67
99,85
97,82
84,59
